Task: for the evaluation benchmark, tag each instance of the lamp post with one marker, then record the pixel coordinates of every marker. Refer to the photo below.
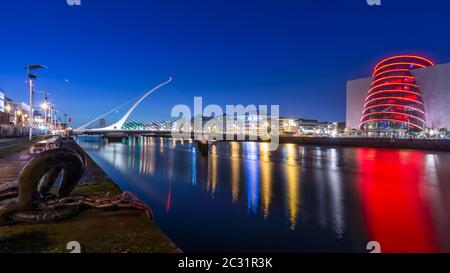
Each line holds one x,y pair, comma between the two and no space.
55,117
32,77
52,114
45,106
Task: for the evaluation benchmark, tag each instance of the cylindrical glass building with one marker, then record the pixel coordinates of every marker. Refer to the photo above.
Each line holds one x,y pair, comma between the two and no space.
394,101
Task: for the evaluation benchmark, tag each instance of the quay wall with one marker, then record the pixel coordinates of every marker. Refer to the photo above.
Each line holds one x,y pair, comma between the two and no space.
416,144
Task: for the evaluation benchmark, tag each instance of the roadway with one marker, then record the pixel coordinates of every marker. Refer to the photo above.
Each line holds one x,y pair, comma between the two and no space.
9,142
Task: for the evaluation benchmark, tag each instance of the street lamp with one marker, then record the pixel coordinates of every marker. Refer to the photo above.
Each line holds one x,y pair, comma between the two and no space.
54,117
45,107
32,77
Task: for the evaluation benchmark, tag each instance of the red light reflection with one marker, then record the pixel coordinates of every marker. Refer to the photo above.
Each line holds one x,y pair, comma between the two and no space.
395,212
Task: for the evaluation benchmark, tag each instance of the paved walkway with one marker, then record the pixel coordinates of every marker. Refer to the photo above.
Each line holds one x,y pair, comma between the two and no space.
11,165
5,142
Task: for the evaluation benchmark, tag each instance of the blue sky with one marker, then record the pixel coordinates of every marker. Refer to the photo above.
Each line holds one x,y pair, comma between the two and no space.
298,54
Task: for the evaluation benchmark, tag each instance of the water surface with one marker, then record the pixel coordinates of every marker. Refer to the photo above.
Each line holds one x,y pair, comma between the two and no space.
244,198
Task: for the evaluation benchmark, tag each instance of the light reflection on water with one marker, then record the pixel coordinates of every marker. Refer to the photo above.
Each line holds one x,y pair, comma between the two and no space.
245,198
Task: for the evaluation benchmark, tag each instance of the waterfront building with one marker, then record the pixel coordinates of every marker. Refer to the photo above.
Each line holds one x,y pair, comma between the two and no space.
39,120
302,127
4,116
14,109
315,127
19,113
289,126
406,94
2,101
248,124
101,123
259,124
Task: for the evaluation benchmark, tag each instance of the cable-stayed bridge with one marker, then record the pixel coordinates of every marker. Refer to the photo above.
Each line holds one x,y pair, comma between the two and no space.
152,122
156,124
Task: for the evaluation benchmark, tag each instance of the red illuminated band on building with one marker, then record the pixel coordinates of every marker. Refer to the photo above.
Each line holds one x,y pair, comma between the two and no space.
397,64
393,77
392,105
393,83
391,120
390,72
393,90
405,56
394,100
393,113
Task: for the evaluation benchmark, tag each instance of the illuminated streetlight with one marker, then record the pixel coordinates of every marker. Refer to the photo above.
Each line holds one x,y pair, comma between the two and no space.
32,77
46,106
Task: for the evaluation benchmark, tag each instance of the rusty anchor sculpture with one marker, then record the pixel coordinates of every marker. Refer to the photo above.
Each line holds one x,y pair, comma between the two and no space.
30,198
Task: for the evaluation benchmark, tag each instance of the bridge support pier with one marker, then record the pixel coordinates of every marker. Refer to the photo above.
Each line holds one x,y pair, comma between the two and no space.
115,137
203,147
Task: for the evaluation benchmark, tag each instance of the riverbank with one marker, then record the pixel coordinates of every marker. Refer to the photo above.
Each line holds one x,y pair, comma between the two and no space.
398,143
414,144
97,231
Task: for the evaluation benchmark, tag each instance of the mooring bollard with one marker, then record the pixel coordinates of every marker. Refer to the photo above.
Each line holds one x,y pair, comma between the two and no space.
29,200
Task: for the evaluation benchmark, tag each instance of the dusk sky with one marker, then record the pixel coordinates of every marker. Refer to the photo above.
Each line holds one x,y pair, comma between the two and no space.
298,54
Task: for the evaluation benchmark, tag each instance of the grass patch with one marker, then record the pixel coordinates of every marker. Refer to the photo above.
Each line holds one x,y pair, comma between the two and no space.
123,231
98,189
